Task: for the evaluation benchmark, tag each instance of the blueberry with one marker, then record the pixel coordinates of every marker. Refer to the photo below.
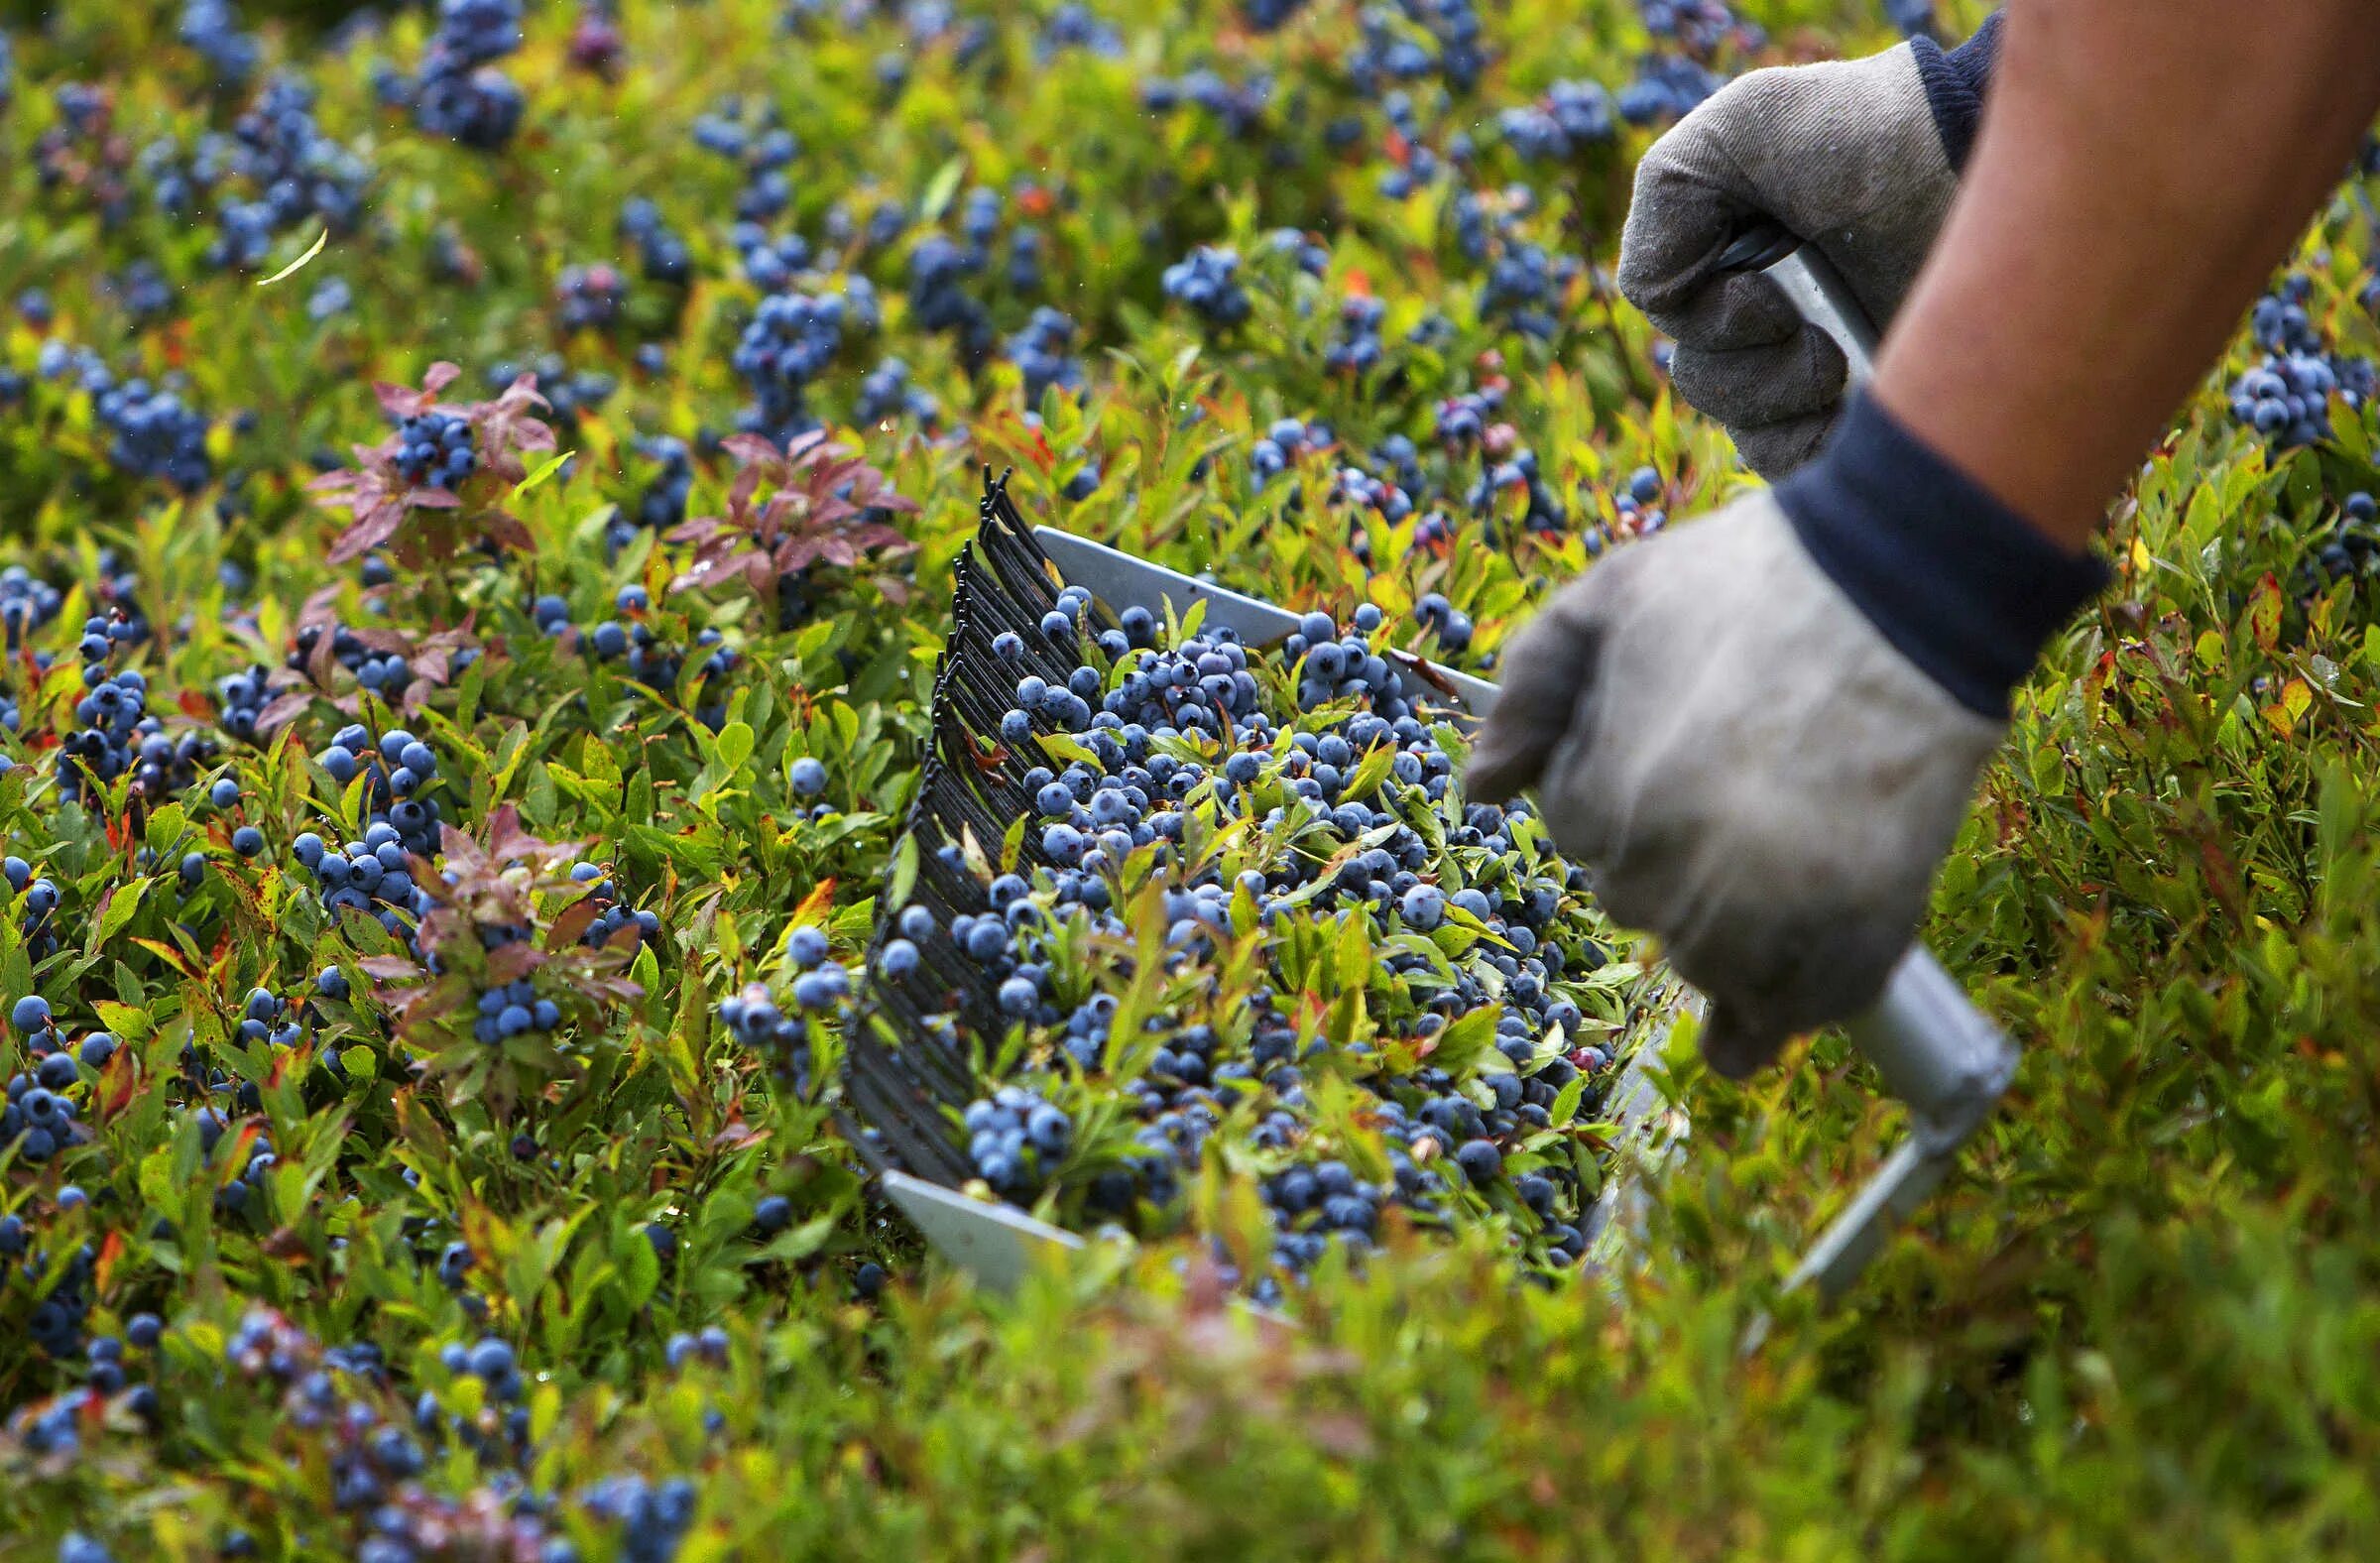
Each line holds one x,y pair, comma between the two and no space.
807,776
32,1014
1480,1160
247,841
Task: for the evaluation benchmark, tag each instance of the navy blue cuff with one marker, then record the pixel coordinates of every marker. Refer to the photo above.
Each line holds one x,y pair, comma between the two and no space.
1963,586
1956,83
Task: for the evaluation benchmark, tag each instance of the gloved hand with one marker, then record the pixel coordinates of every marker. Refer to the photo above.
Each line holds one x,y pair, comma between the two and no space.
1759,731
1859,157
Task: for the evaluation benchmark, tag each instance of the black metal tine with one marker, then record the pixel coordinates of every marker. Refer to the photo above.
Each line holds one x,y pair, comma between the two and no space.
912,1058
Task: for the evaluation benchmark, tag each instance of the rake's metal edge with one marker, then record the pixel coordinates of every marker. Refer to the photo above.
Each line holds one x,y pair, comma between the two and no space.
999,1245
1126,581
1648,1131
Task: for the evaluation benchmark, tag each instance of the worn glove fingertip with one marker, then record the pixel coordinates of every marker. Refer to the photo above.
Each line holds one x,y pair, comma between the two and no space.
1736,1048
1504,764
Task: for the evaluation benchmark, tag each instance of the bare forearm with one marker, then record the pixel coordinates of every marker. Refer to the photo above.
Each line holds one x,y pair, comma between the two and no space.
2142,168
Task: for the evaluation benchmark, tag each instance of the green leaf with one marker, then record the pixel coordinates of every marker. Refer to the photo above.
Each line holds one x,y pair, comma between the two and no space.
544,470
940,188
123,903
904,874
735,746
298,264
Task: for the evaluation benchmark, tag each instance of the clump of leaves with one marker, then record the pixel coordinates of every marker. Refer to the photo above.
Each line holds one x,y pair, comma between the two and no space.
826,504
419,524
505,909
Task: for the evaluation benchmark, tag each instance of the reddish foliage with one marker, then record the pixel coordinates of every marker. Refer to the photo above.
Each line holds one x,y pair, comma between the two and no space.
381,501
822,495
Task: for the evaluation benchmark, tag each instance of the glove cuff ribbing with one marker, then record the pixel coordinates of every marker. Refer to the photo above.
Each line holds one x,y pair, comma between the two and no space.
1965,587
1956,81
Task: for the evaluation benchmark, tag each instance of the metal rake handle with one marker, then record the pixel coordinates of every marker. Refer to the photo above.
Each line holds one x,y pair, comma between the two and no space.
1935,1049
1814,287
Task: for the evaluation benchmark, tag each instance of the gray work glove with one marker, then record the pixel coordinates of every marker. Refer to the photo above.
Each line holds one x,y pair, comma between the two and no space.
1759,731
1856,157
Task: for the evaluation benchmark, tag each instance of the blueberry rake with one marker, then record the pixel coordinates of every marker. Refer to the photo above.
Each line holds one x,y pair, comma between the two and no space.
908,1074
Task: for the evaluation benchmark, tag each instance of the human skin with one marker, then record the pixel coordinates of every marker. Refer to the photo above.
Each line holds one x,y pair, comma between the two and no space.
2142,168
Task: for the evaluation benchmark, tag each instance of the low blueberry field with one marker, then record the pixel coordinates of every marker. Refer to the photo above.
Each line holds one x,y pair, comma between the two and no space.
481,488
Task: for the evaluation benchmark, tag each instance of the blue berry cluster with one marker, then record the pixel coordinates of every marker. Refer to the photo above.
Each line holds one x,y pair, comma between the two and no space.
27,602
211,28
751,136
590,297
1040,351
659,506
434,449
1017,1139
791,340
458,95
653,1517
639,649
1524,288
661,255
1073,25
1207,283
938,272
513,1010
61,1305
1667,87
887,394
1306,252
40,1114
273,173
2351,550
1355,348
569,392
1413,41
1285,441
1570,117
766,1030
36,907
114,731
2286,397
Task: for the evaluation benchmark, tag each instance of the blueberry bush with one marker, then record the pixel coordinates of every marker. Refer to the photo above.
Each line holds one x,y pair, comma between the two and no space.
483,488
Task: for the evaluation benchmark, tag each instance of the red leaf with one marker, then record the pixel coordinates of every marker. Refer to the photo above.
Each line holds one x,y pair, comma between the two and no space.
368,531
507,530
573,921
401,400
283,709
441,375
